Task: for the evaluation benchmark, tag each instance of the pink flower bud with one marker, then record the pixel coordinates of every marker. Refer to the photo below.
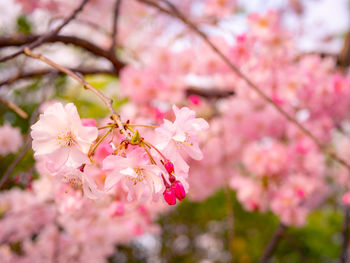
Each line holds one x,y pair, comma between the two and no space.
169,196
169,167
195,99
300,193
179,190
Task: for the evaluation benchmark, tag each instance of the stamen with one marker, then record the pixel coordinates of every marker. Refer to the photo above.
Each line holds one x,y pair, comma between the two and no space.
140,176
66,139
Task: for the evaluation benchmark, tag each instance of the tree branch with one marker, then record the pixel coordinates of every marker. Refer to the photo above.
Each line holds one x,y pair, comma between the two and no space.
345,234
14,107
272,245
209,93
86,45
107,101
115,25
48,35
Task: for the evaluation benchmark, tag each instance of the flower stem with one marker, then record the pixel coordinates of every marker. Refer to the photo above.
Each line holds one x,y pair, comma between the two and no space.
142,125
93,149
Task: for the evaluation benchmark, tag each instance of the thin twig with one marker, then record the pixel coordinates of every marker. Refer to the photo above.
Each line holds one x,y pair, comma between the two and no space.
48,35
272,245
14,107
107,101
115,25
174,12
345,234
43,72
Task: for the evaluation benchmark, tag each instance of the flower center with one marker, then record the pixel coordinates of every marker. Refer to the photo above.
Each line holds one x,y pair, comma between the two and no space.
74,182
140,176
186,142
66,139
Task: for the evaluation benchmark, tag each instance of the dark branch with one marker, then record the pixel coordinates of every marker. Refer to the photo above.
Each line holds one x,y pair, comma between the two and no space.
345,234
115,25
86,45
272,245
209,93
48,35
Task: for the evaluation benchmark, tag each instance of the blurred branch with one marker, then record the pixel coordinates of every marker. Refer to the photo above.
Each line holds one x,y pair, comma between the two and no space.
14,107
170,9
20,156
209,93
230,221
107,101
86,45
42,72
43,38
272,245
345,234
115,25
344,55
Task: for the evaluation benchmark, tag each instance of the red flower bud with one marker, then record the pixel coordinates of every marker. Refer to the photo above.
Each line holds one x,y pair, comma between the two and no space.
169,167
169,196
179,190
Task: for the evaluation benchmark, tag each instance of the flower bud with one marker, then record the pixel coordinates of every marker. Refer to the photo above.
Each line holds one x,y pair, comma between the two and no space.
300,193
179,190
116,209
169,196
169,167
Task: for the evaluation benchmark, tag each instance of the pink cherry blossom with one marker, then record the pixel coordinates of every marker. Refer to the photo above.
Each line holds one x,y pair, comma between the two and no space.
181,135
60,136
136,172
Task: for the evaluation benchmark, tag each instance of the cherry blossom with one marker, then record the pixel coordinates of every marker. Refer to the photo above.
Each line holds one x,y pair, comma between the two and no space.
60,136
136,172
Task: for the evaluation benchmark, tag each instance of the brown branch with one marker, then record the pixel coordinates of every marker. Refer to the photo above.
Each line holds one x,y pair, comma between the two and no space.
115,25
174,12
48,35
107,101
345,234
86,45
14,107
42,72
230,222
209,93
272,245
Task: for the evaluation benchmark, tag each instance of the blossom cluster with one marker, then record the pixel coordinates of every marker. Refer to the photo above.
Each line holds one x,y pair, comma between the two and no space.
73,150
